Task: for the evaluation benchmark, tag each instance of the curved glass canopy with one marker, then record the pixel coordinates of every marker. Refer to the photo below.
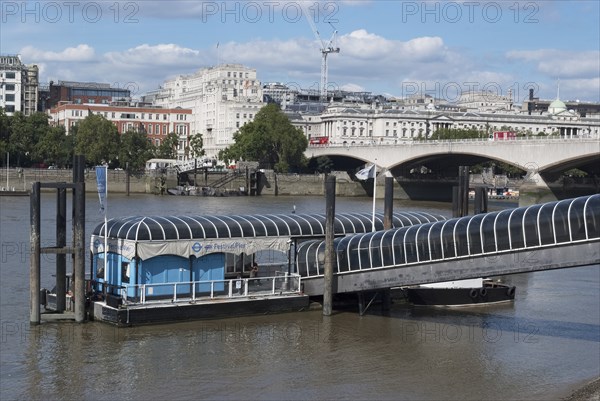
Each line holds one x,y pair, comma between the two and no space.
535,226
166,228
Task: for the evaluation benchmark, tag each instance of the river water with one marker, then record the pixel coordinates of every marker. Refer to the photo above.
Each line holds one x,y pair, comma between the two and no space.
541,347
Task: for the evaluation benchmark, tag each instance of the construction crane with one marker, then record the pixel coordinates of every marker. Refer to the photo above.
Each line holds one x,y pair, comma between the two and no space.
326,48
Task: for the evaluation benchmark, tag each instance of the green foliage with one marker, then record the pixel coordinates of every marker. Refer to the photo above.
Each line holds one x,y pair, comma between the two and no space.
324,164
25,133
451,133
97,139
136,148
575,172
196,146
168,147
499,168
56,147
4,133
271,140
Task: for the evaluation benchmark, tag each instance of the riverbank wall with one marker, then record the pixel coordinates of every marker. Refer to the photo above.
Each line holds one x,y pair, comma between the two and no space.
283,185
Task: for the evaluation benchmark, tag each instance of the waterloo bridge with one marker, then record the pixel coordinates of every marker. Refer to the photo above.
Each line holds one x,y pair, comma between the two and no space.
428,169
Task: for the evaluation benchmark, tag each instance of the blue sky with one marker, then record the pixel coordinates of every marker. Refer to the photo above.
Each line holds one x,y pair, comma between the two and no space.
390,47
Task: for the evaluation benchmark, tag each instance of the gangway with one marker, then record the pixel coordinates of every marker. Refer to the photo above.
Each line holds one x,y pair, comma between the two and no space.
547,236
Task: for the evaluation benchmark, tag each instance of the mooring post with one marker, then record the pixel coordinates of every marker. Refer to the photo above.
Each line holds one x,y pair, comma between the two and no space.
455,202
61,242
388,203
329,251
127,179
34,267
480,202
463,191
79,238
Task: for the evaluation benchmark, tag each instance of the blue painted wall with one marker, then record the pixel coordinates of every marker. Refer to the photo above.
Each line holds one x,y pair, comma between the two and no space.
209,267
162,269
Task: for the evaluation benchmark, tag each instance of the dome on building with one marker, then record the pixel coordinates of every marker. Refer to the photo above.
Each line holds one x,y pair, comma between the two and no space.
556,107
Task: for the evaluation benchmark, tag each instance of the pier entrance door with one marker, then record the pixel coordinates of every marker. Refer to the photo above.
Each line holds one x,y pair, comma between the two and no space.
209,267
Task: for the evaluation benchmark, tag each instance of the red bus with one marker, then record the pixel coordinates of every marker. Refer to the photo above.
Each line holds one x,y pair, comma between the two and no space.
319,140
504,135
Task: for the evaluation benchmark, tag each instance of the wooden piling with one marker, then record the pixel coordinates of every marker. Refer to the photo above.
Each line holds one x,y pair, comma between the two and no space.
480,201
61,242
388,203
127,179
34,267
79,238
329,251
455,202
463,184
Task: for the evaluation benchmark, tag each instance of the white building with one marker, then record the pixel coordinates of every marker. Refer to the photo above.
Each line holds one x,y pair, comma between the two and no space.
366,125
18,85
485,101
222,99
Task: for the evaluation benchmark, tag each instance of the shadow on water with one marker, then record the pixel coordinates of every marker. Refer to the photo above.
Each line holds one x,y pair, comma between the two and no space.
486,319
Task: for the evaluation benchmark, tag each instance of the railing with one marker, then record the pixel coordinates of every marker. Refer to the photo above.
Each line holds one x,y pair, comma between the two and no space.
210,289
364,142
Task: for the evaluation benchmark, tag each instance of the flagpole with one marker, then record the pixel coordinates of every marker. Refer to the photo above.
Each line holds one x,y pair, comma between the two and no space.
106,222
374,194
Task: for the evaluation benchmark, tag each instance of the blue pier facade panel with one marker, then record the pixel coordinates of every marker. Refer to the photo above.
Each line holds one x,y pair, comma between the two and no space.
209,267
120,272
165,269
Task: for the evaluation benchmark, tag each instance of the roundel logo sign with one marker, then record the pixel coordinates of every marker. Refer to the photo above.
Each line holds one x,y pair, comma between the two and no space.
196,247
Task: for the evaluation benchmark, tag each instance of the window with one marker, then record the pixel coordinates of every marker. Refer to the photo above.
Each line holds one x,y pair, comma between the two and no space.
10,87
157,128
149,116
164,117
10,97
10,75
149,128
125,272
164,130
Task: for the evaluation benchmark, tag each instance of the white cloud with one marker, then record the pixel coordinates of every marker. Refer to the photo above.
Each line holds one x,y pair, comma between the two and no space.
353,87
560,63
79,53
155,55
366,62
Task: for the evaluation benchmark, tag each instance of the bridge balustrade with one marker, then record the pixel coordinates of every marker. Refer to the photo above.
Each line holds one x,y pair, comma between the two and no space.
537,226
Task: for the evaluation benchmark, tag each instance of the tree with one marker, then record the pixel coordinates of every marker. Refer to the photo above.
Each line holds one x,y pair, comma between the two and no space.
271,140
324,164
136,148
97,139
4,133
168,147
196,146
56,147
452,133
25,133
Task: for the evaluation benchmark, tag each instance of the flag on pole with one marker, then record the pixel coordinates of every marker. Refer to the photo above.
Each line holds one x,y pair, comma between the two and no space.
366,173
102,188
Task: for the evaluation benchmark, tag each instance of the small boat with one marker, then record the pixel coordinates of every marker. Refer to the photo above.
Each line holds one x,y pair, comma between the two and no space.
461,293
13,192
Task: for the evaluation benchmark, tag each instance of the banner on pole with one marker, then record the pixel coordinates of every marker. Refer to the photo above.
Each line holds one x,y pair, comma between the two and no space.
366,173
102,188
